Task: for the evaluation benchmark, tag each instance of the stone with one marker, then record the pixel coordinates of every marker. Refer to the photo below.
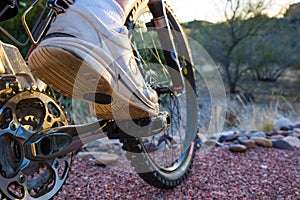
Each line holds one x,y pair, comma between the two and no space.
237,148
269,133
294,141
296,130
89,155
105,146
283,124
250,144
106,159
297,135
276,137
296,125
211,142
93,144
262,142
281,144
227,138
242,138
259,134
84,155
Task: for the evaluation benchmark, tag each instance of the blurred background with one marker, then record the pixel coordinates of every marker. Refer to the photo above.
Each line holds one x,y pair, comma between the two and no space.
253,43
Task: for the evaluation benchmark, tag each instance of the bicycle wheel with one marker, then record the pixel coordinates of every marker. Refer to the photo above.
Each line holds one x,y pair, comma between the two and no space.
164,160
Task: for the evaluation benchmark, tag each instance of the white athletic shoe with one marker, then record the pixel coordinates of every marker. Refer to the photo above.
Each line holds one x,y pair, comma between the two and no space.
84,59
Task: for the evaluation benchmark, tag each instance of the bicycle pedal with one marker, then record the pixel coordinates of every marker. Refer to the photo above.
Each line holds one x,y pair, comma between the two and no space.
138,128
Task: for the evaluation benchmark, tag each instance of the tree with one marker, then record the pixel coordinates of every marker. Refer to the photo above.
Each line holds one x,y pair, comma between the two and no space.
244,20
275,52
226,42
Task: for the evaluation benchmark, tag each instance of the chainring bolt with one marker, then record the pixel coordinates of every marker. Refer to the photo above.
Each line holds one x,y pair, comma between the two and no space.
56,165
13,126
21,178
49,119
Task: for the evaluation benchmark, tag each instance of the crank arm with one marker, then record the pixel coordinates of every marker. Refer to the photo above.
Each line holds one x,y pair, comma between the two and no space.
62,140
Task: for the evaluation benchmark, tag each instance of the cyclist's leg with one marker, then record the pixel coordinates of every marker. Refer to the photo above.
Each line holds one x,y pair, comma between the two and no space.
85,57
126,5
109,12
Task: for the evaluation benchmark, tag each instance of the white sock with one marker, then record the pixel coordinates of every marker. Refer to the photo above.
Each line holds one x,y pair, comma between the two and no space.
108,11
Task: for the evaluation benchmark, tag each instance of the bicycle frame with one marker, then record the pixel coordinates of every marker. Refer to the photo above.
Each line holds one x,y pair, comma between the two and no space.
74,137
35,134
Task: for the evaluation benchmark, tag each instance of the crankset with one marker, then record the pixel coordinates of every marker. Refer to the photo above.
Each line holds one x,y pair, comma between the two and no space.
22,116
36,142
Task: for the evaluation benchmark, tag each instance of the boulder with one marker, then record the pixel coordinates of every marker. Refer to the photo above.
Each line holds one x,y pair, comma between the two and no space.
237,148
281,144
262,142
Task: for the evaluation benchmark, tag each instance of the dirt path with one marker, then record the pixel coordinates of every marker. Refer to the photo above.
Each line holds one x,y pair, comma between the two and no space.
259,173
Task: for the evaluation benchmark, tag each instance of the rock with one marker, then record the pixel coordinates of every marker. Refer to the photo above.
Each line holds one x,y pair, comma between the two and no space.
211,142
250,144
237,148
106,159
262,142
296,130
294,141
281,144
276,137
280,132
296,125
297,135
269,133
105,147
93,144
259,134
89,155
283,124
242,138
84,155
227,138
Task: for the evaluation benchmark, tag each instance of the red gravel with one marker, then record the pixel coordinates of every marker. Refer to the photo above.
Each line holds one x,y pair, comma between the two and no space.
259,173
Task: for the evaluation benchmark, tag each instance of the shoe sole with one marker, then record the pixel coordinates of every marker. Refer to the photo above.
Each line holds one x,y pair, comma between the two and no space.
74,78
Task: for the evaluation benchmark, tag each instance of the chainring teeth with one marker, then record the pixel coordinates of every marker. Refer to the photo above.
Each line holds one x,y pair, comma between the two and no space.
34,111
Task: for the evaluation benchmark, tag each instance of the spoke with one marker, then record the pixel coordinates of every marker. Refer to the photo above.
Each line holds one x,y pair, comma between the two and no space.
149,50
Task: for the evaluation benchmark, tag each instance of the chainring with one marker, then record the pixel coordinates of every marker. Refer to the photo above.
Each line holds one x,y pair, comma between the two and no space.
22,115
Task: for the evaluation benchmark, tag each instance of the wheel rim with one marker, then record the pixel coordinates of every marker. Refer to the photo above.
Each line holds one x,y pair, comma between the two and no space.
168,150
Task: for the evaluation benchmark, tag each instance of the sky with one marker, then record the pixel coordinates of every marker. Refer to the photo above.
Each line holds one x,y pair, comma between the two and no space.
212,10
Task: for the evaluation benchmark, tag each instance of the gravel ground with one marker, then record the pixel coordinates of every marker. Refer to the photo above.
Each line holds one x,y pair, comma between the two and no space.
259,173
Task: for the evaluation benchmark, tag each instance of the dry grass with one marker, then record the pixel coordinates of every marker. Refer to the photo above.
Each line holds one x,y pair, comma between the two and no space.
260,116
